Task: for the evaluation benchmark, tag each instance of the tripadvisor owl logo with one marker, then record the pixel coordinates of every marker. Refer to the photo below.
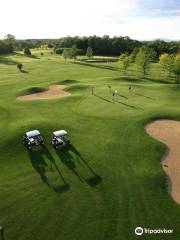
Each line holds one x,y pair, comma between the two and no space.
139,231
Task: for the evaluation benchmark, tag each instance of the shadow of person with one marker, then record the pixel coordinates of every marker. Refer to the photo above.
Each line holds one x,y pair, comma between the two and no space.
127,105
40,165
102,98
122,96
139,94
95,179
23,71
53,163
66,159
34,56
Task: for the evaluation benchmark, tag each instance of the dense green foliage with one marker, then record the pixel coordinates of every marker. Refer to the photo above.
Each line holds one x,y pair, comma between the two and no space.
109,46
5,47
171,64
66,53
27,51
144,57
59,50
89,53
126,61
74,52
110,180
161,47
103,45
7,44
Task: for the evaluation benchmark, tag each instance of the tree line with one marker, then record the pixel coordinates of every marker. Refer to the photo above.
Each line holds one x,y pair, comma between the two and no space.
109,46
144,56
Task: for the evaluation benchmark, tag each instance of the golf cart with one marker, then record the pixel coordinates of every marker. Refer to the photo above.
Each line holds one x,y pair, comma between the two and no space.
60,138
32,138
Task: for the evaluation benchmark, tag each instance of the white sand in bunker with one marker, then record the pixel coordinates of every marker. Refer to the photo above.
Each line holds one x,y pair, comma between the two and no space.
168,132
54,91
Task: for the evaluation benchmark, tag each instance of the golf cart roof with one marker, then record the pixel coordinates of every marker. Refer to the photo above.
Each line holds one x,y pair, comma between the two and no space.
59,133
32,133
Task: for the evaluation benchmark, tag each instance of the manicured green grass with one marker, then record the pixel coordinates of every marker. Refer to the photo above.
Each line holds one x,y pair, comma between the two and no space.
110,180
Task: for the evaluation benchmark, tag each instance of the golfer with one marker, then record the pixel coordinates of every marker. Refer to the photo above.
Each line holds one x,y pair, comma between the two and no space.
113,97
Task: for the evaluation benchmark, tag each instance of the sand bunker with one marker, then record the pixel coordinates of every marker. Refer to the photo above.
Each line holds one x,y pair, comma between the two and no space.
168,132
54,91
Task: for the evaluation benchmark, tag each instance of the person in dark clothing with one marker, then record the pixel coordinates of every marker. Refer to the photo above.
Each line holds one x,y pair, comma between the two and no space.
19,66
109,88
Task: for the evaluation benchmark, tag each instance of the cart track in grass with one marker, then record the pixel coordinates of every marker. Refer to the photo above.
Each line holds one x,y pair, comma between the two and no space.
168,132
54,91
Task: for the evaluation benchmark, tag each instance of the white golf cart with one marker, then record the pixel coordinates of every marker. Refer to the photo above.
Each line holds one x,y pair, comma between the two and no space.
60,138
32,138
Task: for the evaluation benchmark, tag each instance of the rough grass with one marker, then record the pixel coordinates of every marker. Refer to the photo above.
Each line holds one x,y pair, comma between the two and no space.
110,180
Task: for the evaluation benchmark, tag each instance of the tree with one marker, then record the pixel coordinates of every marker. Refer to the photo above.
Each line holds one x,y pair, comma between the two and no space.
176,68
74,52
133,55
122,56
59,51
166,62
163,60
5,47
44,46
66,54
89,53
144,58
7,44
178,57
10,39
126,62
171,64
27,51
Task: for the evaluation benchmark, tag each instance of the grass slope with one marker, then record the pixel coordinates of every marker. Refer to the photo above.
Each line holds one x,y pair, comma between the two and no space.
110,180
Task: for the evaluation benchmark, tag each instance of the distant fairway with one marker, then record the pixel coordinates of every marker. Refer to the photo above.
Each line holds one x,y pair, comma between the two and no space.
110,180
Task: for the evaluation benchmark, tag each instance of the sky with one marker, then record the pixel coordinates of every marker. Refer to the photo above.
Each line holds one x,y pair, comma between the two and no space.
138,19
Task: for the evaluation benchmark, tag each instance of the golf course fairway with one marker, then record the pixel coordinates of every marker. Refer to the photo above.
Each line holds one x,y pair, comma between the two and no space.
110,179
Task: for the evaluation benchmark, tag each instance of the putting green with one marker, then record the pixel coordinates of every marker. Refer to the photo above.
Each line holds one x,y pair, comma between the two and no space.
125,103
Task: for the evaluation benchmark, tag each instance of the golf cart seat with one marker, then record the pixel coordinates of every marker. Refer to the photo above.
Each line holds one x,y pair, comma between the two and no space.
32,138
60,138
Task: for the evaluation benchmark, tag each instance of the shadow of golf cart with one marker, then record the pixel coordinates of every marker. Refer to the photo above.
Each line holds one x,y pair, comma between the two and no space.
60,138
33,138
